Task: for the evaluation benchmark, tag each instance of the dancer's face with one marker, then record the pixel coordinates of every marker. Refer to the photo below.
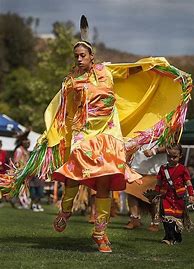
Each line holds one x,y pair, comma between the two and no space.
83,58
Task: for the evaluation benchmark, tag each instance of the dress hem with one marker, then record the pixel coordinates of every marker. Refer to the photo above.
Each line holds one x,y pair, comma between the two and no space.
117,180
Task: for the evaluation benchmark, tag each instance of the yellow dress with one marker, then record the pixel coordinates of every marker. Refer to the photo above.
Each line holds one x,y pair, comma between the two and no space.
96,146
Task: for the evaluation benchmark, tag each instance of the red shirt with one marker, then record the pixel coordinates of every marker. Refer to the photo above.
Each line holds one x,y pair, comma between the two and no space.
3,167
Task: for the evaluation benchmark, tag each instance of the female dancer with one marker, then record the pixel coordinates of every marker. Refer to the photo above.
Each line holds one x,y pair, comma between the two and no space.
97,157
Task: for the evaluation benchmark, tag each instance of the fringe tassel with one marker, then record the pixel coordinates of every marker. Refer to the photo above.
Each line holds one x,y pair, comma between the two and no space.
81,115
61,114
170,128
42,162
6,182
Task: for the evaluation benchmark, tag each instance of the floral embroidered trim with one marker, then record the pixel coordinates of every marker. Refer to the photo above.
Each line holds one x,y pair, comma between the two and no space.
99,67
71,166
100,159
78,137
111,124
100,225
87,125
86,173
121,165
92,110
88,153
109,101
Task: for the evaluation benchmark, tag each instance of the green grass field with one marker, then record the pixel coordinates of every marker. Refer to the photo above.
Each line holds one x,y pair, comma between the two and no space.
27,240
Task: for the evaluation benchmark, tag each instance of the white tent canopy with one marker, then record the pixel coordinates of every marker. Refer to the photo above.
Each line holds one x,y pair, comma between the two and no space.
8,143
8,127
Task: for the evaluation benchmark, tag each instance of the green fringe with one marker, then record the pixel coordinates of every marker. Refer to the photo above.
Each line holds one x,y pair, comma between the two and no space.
34,167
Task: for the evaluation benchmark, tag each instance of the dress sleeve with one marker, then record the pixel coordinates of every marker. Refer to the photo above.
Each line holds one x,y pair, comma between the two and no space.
187,175
187,179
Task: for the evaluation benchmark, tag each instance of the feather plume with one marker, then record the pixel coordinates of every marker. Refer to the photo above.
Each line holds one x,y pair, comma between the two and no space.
84,28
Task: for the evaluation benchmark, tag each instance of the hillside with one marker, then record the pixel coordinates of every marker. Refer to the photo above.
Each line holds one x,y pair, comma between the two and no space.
105,54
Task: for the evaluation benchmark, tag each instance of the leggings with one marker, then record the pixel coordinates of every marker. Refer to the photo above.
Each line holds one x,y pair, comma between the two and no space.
171,232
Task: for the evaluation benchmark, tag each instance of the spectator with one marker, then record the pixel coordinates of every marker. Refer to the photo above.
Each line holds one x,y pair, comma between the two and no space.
36,193
3,167
147,163
3,159
172,182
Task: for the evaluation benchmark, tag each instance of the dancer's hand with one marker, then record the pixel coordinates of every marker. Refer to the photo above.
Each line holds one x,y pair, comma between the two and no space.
148,153
191,199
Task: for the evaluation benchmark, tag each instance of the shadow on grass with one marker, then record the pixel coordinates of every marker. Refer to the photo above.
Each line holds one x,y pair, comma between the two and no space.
151,240
52,243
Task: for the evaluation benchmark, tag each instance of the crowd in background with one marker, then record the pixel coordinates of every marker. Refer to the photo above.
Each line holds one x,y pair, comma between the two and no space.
49,192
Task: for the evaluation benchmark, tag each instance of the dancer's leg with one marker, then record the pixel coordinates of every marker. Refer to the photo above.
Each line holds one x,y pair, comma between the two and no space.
134,211
102,205
71,189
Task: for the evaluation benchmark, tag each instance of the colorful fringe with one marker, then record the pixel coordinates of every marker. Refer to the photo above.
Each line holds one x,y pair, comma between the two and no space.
81,115
61,114
6,183
42,162
169,129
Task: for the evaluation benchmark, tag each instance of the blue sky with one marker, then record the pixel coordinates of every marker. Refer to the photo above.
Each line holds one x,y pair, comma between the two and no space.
146,27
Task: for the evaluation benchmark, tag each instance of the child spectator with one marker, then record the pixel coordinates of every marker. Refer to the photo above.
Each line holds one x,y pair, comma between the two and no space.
172,182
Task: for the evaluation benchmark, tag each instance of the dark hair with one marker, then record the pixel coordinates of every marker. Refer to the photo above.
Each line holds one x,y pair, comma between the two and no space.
87,45
20,137
176,146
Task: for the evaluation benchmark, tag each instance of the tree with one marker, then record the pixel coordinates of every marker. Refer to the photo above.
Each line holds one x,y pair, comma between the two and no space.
27,92
57,60
25,98
16,42
17,95
53,64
